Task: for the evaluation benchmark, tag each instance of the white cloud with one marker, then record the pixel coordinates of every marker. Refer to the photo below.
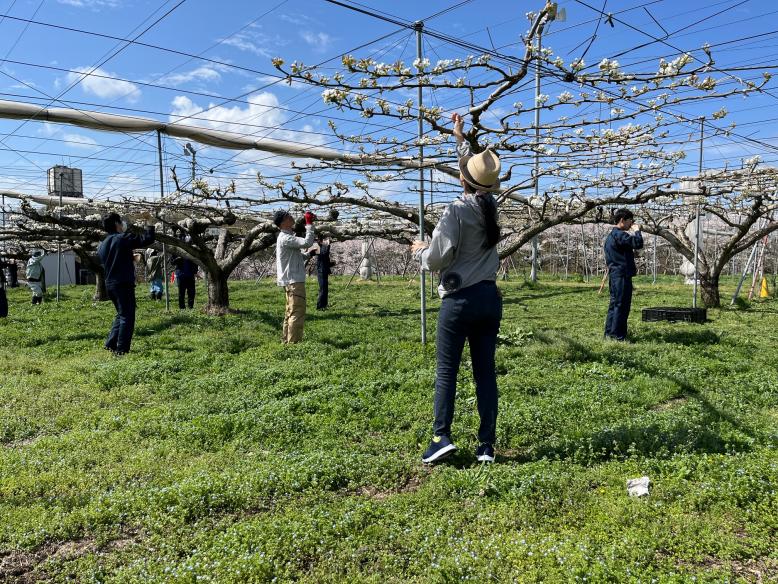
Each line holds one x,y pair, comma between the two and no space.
48,129
105,86
319,41
205,73
298,19
72,140
183,107
79,141
259,118
254,40
94,4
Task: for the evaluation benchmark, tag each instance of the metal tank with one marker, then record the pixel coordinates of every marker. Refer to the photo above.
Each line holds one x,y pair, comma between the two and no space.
64,181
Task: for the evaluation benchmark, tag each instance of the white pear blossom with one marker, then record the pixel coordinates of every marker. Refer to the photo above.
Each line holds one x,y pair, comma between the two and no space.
421,64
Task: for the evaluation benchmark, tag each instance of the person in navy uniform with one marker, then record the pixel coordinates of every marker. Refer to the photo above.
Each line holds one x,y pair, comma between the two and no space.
3,297
116,255
620,247
186,275
13,274
323,270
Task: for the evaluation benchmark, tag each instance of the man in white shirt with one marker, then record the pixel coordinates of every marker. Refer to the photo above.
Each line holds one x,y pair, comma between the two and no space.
290,266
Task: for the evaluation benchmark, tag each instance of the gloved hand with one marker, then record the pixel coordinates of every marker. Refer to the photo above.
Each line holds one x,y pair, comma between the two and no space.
309,218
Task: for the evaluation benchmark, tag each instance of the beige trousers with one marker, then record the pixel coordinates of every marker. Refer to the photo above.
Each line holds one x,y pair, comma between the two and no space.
294,318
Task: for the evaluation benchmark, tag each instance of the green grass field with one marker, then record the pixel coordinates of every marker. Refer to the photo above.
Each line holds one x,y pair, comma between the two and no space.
214,454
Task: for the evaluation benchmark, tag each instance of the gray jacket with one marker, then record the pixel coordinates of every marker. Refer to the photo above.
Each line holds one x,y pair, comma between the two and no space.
457,248
291,256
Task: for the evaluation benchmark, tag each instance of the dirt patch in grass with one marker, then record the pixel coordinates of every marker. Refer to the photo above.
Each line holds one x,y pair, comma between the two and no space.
22,566
756,570
29,441
673,402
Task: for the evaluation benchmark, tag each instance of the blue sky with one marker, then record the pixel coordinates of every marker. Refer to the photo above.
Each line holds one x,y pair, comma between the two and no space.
240,37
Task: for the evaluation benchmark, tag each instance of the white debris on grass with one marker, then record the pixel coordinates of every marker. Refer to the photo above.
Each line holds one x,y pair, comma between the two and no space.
638,487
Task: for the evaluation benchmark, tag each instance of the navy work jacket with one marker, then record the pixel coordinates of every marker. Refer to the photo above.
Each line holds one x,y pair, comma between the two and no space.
323,263
115,254
620,249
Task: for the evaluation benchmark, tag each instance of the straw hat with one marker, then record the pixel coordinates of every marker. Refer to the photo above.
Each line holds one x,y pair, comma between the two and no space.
481,171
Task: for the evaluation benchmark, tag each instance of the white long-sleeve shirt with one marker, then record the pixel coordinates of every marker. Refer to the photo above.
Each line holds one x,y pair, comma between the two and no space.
291,256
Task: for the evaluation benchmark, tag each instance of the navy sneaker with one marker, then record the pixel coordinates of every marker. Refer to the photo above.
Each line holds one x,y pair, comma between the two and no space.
440,447
485,453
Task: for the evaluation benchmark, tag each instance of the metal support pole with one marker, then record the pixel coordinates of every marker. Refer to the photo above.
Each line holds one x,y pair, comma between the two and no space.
585,255
533,275
59,243
745,273
758,268
164,247
5,249
699,211
432,274
419,27
654,268
567,251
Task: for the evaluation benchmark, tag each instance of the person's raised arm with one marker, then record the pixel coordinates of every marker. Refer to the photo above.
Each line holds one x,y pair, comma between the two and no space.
632,239
302,242
463,147
134,241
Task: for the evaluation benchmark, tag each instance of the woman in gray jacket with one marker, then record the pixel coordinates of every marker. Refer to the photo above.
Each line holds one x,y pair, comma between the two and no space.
463,249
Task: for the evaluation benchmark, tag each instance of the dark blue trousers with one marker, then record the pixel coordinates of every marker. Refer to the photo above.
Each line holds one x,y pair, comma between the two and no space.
187,288
123,298
324,291
621,302
472,314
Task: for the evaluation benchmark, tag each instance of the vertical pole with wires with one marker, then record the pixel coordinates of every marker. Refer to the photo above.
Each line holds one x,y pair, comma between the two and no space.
164,247
5,249
654,262
533,275
59,242
432,275
419,27
697,219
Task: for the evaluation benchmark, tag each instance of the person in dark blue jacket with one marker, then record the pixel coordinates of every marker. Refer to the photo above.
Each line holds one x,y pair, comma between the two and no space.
3,297
323,270
116,255
620,247
186,272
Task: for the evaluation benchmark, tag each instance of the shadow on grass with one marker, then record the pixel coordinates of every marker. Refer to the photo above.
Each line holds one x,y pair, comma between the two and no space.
273,320
681,337
91,336
527,295
165,322
649,439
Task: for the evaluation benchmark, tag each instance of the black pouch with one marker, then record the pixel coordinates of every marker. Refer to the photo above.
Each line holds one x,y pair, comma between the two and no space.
451,282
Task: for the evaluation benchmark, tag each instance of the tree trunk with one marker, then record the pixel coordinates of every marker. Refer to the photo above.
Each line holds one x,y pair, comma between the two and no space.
218,292
101,294
709,289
